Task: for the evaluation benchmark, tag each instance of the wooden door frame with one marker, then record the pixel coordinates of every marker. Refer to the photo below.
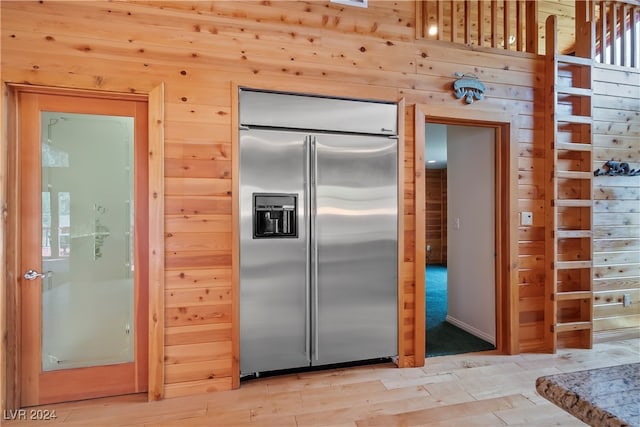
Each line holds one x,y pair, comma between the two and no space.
506,162
10,275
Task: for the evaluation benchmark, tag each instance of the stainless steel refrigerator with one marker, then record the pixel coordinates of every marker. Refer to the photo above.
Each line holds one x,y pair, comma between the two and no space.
318,230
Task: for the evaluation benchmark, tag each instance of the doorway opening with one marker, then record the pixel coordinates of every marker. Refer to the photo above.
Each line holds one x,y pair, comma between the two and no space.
460,236
506,214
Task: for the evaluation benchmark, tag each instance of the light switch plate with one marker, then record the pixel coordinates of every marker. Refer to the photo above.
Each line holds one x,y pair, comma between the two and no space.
526,218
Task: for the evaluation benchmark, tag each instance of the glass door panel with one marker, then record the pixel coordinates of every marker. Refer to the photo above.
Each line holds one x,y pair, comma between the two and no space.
87,240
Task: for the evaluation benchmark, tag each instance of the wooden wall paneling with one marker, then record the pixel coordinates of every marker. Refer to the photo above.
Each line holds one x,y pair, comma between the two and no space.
616,247
436,215
132,46
444,216
156,244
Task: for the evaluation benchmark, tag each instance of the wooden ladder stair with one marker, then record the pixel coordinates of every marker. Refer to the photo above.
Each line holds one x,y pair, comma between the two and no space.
568,197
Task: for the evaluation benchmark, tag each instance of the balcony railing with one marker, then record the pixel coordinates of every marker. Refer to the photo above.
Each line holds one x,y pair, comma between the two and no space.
617,32
503,24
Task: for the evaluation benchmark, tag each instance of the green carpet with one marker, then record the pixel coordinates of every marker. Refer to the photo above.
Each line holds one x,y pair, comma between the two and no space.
442,337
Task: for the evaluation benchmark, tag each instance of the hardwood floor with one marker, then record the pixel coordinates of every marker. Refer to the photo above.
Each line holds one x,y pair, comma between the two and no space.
480,389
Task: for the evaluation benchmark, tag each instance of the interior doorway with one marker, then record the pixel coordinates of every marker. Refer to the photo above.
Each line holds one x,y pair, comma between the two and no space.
83,243
461,239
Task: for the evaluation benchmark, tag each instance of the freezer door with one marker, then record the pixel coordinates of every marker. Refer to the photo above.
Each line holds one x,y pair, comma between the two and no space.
356,206
274,286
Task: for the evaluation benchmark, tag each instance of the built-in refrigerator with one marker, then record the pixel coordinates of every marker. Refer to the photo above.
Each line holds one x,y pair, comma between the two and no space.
318,230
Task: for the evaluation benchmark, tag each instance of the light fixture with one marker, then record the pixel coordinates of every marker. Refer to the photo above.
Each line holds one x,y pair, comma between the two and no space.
433,30
512,40
431,161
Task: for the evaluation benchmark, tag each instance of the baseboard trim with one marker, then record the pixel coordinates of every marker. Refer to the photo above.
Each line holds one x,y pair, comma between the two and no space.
473,331
616,335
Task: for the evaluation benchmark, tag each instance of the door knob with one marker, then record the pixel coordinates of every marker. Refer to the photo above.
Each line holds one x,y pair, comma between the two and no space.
33,275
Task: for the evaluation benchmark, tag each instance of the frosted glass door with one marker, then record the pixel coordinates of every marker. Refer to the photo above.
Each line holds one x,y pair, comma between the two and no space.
87,240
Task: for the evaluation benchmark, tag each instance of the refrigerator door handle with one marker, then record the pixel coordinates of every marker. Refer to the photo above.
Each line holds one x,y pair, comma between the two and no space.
307,225
314,231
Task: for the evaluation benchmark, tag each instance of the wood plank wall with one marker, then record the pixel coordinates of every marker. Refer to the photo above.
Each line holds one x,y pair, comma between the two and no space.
436,215
199,50
616,241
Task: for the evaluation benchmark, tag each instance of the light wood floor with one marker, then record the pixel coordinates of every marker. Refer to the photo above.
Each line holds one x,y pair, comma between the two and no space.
480,389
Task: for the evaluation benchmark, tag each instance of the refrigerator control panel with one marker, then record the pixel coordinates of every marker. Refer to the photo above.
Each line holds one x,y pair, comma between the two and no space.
274,215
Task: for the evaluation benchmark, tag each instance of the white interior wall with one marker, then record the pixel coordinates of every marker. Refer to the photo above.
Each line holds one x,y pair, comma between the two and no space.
471,230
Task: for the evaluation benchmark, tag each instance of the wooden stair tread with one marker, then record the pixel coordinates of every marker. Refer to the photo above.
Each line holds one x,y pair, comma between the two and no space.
572,118
573,122
574,60
577,91
574,174
572,326
573,234
571,265
573,295
571,146
573,203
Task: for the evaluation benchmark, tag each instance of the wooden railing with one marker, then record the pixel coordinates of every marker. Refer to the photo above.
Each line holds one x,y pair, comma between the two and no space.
503,24
617,32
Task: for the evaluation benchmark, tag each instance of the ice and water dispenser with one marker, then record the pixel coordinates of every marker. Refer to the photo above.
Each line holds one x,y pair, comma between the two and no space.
274,215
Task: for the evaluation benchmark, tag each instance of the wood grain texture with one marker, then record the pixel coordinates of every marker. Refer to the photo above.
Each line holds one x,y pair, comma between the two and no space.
471,389
9,254
156,243
419,241
616,243
203,51
436,215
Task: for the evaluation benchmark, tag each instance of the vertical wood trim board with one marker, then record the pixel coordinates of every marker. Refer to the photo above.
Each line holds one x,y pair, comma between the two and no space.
9,235
419,238
511,261
3,257
156,243
235,237
402,111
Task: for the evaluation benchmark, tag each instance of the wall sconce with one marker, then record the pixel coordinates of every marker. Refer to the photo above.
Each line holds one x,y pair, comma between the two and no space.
469,87
512,41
